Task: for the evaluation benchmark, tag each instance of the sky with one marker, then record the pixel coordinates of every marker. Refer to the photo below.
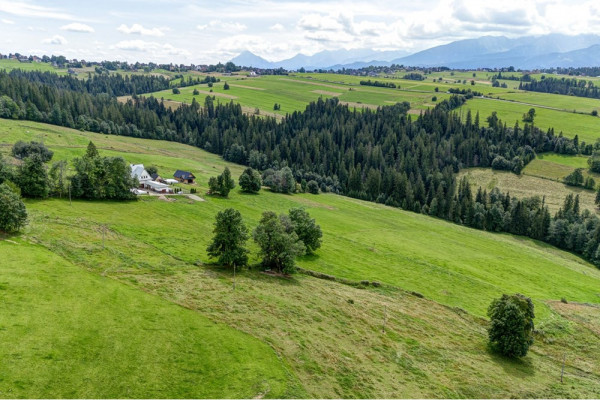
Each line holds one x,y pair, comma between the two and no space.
204,32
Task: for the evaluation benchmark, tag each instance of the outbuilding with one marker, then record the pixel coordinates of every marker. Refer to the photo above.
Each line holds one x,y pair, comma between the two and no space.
184,176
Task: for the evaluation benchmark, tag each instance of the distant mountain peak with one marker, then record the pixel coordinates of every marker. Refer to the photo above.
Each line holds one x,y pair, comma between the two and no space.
527,52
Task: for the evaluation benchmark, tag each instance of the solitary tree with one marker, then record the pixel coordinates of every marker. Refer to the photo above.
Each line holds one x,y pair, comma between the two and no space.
230,236
225,86
92,150
250,180
279,244
511,328
306,229
33,178
12,210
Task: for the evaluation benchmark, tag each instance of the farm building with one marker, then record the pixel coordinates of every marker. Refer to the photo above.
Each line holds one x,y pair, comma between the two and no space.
157,187
184,176
138,171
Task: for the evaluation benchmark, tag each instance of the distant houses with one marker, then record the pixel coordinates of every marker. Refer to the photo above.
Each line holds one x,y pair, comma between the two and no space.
184,176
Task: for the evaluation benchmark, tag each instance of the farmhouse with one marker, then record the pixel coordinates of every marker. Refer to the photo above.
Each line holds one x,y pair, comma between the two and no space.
138,171
184,176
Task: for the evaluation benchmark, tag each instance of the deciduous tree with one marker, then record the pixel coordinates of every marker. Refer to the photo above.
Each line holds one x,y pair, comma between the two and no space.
230,236
511,325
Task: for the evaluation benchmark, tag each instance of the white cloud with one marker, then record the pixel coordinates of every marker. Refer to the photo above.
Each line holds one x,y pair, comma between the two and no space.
153,48
137,29
277,27
22,9
218,25
56,39
7,21
77,27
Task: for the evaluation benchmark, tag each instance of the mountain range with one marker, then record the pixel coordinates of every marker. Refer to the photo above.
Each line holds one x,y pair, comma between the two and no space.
527,52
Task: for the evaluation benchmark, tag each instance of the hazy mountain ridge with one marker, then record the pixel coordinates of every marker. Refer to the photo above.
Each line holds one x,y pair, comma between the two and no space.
528,52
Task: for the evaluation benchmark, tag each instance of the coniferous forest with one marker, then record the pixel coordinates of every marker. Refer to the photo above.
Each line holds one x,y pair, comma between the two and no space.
383,155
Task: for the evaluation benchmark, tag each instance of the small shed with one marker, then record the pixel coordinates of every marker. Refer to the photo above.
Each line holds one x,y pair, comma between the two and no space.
184,176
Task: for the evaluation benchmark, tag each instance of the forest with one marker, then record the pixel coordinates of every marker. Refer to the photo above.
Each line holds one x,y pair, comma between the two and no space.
383,155
572,87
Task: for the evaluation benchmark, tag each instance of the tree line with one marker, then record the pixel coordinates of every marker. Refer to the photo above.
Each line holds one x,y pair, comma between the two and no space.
383,155
112,85
567,86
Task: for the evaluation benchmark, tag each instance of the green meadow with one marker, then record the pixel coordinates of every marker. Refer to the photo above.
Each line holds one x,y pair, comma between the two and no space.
137,273
69,333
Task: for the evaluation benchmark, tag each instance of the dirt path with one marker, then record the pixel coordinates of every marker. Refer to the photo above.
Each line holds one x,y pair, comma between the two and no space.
528,104
194,197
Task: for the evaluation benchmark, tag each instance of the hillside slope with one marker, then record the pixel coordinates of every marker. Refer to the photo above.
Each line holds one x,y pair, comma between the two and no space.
330,334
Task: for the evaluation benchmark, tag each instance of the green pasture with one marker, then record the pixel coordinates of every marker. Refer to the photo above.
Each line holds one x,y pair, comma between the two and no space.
328,335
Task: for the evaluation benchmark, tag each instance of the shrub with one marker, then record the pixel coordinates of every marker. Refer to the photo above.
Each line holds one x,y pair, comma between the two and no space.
176,90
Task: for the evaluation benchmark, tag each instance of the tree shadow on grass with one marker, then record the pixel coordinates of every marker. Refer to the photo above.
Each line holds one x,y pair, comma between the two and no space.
309,257
252,272
518,367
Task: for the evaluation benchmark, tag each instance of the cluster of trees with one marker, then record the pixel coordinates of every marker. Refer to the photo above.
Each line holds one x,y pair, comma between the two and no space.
414,76
112,85
594,162
101,178
221,184
468,93
95,177
573,87
570,229
369,82
190,81
576,178
280,239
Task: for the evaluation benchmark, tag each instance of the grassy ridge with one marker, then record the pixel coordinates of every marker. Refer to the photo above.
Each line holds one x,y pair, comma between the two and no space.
69,333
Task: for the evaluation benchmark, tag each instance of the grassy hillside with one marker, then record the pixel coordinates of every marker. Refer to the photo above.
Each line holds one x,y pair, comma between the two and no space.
328,334
527,185
68,333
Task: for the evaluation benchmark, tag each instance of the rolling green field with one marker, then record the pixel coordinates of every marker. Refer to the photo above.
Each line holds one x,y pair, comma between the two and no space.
568,114
70,333
571,124
328,335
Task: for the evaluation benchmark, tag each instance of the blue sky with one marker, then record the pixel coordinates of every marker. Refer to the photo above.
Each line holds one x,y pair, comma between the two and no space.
210,31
